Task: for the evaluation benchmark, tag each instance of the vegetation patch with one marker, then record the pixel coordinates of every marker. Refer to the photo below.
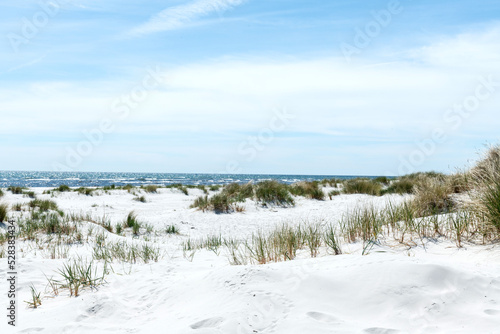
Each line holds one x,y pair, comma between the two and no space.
85,191
362,186
400,186
43,205
63,188
311,190
141,199
485,177
274,193
4,212
152,189
16,190
29,194
225,201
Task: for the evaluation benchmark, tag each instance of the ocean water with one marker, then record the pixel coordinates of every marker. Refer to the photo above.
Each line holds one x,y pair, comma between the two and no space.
84,179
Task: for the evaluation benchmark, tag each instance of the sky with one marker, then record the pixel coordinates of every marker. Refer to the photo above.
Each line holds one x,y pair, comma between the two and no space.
343,87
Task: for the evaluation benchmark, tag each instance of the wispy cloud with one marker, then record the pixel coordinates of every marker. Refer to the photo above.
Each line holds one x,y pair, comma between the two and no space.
180,16
30,63
476,49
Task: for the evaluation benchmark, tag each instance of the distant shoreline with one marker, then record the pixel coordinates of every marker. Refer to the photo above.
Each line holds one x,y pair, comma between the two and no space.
98,179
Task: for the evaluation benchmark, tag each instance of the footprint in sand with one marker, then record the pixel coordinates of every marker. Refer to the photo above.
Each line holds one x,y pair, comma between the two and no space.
207,323
32,329
322,317
492,312
377,330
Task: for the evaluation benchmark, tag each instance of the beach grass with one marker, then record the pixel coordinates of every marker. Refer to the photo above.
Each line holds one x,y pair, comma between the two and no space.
63,188
180,187
485,176
78,274
214,187
124,251
384,180
43,205
85,191
226,200
152,189
141,199
172,229
4,212
333,193
273,193
432,196
310,190
400,186
29,194
362,186
16,190
35,301
132,222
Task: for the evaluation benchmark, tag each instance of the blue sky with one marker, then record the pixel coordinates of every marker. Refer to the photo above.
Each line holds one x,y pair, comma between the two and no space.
226,68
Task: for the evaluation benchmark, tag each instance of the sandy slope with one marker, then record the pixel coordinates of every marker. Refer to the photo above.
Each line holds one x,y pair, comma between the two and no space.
437,290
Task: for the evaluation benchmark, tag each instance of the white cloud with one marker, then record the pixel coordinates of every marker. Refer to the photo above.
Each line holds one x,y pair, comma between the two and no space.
180,16
340,108
475,50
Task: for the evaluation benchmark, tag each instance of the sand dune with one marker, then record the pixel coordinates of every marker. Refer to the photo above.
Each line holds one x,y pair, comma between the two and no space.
436,289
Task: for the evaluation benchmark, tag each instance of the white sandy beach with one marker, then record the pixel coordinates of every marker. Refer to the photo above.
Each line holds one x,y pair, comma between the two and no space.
438,288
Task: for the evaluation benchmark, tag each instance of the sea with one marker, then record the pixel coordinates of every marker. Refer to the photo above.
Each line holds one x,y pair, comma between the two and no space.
97,179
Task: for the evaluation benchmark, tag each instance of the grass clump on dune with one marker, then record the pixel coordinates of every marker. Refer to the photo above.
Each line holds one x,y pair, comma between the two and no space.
80,274
362,186
16,190
400,186
172,229
54,224
214,187
128,187
48,224
180,187
35,298
202,188
383,180
331,182
420,175
221,203
280,244
238,192
432,196
152,189
265,193
29,194
4,212
141,199
43,205
333,193
273,192
200,203
308,189
85,191
225,201
132,222
63,188
125,252
486,178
